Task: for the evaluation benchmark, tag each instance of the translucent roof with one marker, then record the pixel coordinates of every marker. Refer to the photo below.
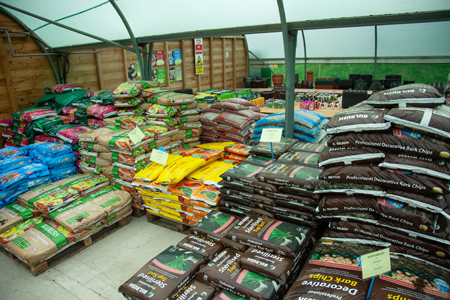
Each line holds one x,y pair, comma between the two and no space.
157,20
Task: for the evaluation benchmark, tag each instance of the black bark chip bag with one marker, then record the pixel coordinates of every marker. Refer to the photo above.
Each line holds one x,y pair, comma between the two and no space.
416,94
311,200
350,155
163,276
291,175
200,245
271,235
248,210
224,271
300,158
271,265
308,147
246,173
334,272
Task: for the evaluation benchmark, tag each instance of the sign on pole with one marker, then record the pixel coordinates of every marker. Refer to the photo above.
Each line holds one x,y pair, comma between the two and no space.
198,48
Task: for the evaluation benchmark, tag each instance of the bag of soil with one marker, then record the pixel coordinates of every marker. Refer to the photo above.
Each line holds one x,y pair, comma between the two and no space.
416,94
348,188
236,186
333,271
233,120
249,196
196,289
399,141
416,164
176,265
237,199
264,149
224,271
291,175
411,278
357,119
227,295
349,155
273,266
300,158
398,236
365,174
433,203
431,121
244,173
270,235
215,226
243,210
200,245
287,197
258,160
13,214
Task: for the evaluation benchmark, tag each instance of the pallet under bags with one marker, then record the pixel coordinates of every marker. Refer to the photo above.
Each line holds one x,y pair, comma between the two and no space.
178,266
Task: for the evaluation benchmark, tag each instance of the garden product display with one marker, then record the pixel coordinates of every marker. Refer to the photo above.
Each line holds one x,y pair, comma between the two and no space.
271,235
177,265
201,245
224,271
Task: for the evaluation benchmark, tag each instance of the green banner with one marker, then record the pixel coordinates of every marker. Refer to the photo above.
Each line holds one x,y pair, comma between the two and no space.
21,242
24,212
57,237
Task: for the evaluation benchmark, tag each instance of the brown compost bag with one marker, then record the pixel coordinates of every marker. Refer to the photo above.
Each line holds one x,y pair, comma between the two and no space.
201,245
273,266
164,276
196,289
225,272
271,235
336,156
291,175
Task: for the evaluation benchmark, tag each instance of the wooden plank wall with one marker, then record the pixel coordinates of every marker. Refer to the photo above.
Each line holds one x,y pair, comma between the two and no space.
22,79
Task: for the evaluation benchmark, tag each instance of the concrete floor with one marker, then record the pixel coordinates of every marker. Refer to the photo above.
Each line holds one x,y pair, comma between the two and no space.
94,273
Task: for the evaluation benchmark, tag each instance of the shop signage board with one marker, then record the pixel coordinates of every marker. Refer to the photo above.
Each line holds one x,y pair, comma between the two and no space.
198,50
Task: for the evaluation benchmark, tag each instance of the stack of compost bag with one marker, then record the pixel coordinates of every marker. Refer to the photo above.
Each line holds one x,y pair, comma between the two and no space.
19,173
386,178
230,120
59,158
308,125
225,257
283,189
48,219
179,112
179,190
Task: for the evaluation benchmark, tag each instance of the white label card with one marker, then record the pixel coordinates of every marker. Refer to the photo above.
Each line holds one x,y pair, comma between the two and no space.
375,263
271,135
159,157
136,135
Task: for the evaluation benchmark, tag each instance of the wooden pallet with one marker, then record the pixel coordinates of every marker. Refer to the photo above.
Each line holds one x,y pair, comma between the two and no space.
72,250
168,223
137,213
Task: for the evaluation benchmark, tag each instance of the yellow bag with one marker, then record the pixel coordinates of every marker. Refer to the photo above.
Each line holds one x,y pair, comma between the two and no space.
211,172
218,146
158,195
180,169
153,170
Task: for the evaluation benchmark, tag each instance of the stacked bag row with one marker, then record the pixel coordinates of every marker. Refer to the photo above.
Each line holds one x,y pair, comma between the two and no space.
230,120
385,184
309,126
185,188
282,188
225,257
52,217
25,168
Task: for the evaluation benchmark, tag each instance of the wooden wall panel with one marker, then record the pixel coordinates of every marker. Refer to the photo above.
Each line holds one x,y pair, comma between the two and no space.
29,75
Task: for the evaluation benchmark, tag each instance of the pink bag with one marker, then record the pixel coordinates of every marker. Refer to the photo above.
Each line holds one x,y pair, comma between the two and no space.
36,115
6,122
71,134
234,120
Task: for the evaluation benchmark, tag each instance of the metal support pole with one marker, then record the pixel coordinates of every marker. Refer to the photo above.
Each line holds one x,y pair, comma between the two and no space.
304,50
150,57
376,54
290,44
61,72
133,39
268,67
66,27
144,64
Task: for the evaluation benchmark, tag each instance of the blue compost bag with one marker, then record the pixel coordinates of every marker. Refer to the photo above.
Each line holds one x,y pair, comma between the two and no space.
57,161
9,152
12,163
63,172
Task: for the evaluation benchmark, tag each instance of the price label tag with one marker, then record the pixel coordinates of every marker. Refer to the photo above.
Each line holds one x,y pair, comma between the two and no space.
159,157
271,135
136,135
375,263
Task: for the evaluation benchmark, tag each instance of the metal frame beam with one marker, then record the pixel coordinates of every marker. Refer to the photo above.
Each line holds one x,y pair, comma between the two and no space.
67,27
376,54
133,39
290,45
417,17
304,50
36,38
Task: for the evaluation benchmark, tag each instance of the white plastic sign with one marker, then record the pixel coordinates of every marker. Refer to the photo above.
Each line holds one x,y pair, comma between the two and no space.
375,263
159,157
136,135
271,135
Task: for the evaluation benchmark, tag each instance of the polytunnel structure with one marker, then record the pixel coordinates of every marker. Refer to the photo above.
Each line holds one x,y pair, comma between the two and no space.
305,30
